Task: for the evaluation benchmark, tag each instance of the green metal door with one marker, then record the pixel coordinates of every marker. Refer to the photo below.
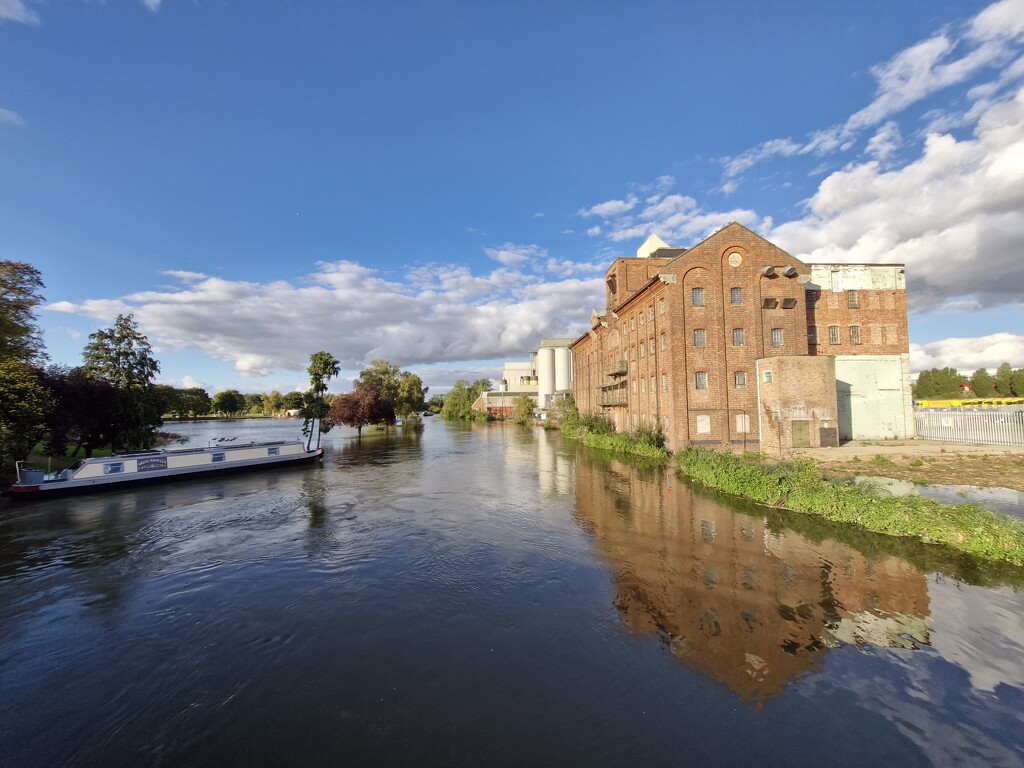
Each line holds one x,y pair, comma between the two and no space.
801,434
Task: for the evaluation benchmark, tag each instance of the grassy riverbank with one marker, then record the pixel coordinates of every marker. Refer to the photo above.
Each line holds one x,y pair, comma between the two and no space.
641,444
799,486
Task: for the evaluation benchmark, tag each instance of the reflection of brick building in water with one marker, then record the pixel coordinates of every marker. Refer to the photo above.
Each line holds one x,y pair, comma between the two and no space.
748,607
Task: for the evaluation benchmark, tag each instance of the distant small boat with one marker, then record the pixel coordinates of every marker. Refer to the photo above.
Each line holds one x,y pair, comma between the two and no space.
120,470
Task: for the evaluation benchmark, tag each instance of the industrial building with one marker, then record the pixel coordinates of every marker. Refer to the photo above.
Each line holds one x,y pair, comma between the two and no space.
546,377
736,343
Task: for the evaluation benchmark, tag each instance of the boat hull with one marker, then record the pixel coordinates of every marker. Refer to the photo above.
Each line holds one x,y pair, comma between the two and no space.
58,488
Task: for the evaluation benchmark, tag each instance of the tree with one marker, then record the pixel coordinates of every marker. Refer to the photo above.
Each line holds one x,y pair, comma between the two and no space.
273,403
939,384
24,407
982,383
20,338
458,403
254,403
122,356
1004,380
523,408
1017,382
435,404
323,367
403,389
228,402
194,401
360,408
292,401
83,410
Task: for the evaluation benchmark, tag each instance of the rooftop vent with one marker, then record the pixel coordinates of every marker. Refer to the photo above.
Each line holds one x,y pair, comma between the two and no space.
768,271
789,271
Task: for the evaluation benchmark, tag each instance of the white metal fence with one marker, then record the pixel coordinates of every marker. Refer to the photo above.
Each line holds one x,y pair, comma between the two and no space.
987,426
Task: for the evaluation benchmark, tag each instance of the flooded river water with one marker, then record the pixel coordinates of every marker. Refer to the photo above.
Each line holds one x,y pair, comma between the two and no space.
488,595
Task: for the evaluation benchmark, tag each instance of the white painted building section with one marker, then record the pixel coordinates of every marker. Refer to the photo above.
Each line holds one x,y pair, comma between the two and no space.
873,397
858,277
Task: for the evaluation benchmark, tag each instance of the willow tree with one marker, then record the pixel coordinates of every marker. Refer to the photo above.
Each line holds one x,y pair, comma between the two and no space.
323,367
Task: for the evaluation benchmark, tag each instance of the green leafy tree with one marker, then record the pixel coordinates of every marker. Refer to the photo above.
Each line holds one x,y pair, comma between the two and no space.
323,367
254,403
982,383
1017,382
25,405
192,402
940,384
273,403
122,356
292,401
458,403
523,409
20,338
83,411
403,389
1004,380
435,404
360,408
229,402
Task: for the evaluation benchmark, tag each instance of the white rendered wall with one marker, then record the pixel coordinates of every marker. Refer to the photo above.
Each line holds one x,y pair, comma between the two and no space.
873,397
545,375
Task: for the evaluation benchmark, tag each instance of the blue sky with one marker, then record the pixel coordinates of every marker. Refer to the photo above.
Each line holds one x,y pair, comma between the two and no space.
443,184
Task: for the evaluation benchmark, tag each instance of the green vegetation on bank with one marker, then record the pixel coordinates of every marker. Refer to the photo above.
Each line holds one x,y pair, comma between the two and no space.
597,431
800,487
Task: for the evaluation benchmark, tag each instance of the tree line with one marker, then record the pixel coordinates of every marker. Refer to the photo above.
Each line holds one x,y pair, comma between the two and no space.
948,384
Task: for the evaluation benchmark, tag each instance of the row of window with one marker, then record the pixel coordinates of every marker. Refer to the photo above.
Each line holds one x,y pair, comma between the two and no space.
739,337
704,424
834,334
852,299
654,384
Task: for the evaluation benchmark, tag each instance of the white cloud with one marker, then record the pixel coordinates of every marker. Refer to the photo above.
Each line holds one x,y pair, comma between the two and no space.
152,5
611,207
8,116
436,314
954,216
512,255
187,382
885,142
968,354
990,40
16,10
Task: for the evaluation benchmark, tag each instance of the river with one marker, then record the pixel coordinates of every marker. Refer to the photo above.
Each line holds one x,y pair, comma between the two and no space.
487,594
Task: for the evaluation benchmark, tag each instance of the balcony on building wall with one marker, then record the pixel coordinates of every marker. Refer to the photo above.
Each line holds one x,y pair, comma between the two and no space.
619,368
612,395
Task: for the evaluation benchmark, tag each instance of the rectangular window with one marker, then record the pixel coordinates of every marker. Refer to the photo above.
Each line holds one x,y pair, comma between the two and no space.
632,323
812,334
634,386
664,343
812,299
769,303
739,337
113,469
704,428
643,386
742,423
740,379
855,334
776,337
700,337
661,306
664,382
736,297
642,349
650,312
852,299
767,377
833,334
641,320
697,295
654,385
216,457
650,343
700,379
273,451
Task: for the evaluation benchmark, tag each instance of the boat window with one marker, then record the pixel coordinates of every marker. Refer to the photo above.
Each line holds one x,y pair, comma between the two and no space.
215,457
113,469
273,451
76,466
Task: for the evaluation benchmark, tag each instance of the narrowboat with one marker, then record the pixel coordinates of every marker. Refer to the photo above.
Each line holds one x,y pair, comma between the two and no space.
126,469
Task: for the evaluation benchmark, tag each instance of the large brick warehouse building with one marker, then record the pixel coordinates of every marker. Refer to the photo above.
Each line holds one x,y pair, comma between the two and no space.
736,343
